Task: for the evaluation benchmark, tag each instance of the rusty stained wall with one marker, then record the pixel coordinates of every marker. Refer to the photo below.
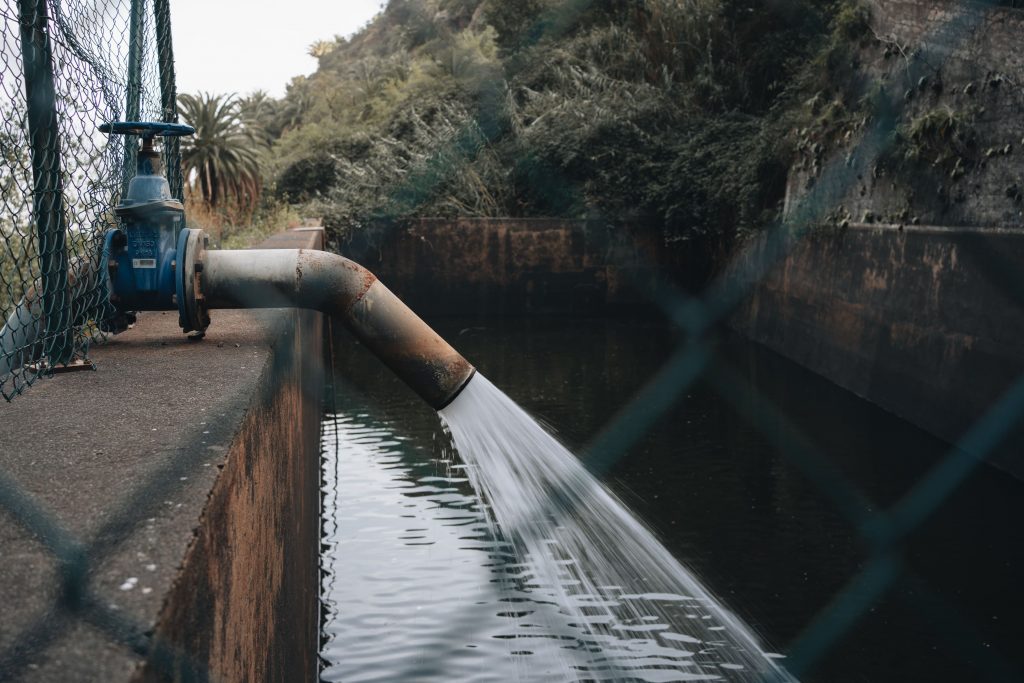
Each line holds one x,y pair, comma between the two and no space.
914,320
508,266
903,314
246,604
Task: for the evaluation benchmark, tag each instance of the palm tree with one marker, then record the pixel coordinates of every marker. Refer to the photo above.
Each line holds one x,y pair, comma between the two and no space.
223,157
258,112
321,48
297,101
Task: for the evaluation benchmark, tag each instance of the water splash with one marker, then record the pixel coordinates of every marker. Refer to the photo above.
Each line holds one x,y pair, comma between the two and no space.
640,614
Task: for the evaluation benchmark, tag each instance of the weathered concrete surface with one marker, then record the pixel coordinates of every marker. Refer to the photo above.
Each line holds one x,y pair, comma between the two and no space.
971,76
922,321
510,266
189,471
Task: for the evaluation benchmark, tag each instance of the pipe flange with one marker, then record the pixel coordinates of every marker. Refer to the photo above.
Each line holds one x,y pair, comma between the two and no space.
193,313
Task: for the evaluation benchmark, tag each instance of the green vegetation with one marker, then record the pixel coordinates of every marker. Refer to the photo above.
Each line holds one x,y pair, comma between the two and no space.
942,137
19,265
680,117
222,160
230,228
224,166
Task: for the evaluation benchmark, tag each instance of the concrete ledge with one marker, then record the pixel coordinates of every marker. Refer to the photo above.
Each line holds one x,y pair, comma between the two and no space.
515,266
189,473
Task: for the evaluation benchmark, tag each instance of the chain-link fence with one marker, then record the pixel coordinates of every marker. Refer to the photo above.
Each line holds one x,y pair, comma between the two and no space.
70,65
67,67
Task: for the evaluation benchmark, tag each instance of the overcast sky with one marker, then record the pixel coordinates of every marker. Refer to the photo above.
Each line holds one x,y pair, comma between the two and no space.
240,46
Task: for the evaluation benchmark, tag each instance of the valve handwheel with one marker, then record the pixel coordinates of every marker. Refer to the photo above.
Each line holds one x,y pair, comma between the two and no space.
147,129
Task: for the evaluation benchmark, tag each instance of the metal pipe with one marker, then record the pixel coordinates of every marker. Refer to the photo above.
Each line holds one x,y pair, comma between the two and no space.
332,284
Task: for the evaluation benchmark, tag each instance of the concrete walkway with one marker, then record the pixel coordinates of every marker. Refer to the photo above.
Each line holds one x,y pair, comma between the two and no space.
122,462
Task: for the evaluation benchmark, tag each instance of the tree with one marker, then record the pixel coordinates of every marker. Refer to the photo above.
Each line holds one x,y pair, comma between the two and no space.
18,253
258,112
222,160
321,48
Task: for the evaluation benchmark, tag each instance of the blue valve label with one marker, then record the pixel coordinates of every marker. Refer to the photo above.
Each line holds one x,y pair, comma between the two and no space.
143,245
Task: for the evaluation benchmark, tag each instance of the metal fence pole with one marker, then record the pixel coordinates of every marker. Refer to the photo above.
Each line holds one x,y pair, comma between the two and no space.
168,95
133,109
48,187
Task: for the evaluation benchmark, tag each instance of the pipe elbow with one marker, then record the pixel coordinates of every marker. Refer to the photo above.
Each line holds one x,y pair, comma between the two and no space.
343,289
329,282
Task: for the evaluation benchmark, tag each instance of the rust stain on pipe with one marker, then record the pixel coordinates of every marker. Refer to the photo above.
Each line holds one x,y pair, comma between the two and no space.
407,345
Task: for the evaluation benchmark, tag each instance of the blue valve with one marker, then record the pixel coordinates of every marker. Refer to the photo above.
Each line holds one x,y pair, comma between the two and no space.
145,256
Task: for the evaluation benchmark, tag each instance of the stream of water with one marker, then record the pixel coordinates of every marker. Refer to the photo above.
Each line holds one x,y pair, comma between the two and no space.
643,614
551,579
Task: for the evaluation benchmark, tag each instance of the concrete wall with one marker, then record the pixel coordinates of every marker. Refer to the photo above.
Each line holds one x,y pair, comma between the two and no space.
918,320
188,472
510,266
246,605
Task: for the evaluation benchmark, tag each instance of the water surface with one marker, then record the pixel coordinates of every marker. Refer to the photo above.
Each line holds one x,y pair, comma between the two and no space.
415,588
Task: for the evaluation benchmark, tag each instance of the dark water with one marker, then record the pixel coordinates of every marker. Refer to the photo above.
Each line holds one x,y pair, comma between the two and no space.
415,589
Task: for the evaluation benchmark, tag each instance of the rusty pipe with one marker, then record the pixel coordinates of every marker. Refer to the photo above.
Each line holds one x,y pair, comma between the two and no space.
332,284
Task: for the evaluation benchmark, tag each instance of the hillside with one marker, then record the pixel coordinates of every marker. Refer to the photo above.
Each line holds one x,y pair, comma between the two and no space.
677,116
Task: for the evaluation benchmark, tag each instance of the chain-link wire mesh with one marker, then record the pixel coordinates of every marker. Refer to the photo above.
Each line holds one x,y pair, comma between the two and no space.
54,165
68,67
886,533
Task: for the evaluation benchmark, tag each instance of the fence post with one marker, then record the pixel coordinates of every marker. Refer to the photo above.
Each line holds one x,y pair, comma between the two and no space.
133,109
48,186
168,95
